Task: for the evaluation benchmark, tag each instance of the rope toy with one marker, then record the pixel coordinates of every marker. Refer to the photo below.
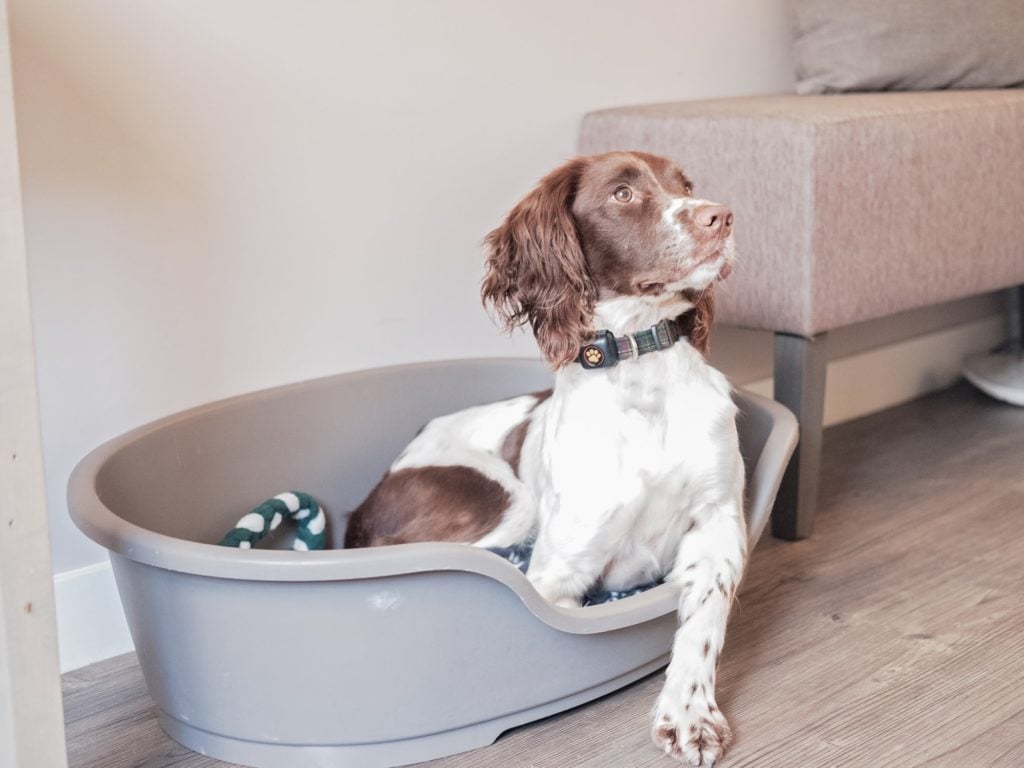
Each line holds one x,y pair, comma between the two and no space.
299,506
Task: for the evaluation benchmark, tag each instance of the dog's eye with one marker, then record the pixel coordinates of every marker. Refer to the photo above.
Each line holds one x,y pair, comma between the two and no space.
623,194
688,188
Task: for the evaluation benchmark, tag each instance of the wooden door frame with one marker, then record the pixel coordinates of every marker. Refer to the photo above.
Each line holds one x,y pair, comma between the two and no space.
31,707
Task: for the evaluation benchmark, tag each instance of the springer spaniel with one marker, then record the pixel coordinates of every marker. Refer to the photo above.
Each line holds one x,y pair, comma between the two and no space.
629,469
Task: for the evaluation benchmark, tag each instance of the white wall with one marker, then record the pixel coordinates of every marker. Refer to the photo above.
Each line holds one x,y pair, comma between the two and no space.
225,196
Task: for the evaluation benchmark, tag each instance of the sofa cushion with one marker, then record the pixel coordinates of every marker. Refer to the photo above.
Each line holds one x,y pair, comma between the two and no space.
848,207
873,45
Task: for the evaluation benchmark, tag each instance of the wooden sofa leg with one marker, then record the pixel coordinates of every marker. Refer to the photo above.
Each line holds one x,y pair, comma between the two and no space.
800,385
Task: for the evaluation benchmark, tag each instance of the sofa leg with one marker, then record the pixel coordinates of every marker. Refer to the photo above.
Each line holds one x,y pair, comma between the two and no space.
800,385
1017,317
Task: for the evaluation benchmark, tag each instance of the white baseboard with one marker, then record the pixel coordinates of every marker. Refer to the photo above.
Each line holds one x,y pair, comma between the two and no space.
90,622
872,381
91,625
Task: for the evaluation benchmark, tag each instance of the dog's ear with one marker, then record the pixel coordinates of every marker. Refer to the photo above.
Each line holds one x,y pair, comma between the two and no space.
700,324
536,271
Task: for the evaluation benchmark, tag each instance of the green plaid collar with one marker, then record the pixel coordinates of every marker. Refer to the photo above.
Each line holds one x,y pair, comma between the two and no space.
607,349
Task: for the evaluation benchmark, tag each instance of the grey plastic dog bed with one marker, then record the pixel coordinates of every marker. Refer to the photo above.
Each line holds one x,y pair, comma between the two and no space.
363,658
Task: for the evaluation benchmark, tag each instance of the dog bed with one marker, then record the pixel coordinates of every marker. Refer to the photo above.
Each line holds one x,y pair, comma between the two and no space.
373,657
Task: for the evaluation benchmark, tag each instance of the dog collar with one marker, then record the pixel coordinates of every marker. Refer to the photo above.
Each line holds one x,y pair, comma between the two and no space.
607,349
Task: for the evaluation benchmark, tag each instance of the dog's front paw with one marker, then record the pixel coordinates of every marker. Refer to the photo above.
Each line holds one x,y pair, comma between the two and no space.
694,733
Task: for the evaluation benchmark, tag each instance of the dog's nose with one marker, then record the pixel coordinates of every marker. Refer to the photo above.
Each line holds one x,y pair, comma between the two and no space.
714,218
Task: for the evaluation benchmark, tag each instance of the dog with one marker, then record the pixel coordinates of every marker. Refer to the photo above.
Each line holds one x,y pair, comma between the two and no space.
629,469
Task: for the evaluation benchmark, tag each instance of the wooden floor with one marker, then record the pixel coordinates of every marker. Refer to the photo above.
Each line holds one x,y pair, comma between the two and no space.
894,637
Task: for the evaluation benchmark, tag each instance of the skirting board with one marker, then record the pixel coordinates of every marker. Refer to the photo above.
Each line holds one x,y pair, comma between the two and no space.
91,624
872,381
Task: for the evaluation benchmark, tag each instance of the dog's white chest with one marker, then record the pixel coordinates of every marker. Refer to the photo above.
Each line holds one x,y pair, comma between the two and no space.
633,453
655,419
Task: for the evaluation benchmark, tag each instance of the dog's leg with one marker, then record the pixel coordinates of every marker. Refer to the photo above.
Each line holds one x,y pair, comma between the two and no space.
687,722
561,580
519,520
572,551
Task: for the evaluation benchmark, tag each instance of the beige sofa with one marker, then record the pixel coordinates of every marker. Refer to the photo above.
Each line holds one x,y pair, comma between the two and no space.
848,207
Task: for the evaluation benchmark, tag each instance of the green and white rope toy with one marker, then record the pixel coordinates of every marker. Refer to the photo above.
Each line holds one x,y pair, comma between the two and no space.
299,506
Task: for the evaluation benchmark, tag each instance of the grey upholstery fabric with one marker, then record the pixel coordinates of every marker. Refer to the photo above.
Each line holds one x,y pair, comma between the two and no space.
848,207
873,45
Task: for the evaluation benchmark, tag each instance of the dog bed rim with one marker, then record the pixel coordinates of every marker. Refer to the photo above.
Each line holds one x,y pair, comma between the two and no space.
142,545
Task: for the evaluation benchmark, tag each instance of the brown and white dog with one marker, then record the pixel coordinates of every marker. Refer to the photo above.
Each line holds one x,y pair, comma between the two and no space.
622,474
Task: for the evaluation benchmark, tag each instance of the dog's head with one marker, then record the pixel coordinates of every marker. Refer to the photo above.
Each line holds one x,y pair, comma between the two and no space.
622,228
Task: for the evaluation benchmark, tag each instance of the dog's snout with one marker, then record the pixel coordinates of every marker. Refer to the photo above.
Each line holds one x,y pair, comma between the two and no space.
714,218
